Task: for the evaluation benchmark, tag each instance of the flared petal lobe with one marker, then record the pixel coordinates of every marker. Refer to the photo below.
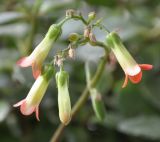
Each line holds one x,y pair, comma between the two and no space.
125,81
136,78
146,66
25,62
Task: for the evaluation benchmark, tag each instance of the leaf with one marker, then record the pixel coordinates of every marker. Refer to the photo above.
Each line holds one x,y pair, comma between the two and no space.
143,126
15,30
4,110
8,17
131,101
102,2
7,60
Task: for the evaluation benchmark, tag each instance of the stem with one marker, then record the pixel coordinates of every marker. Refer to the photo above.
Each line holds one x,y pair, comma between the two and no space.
64,20
83,98
34,22
81,19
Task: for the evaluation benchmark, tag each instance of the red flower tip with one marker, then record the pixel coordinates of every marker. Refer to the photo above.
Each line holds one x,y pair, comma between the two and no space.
136,78
146,66
37,113
125,81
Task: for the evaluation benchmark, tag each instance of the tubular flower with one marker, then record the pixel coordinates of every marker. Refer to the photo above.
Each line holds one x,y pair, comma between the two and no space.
64,103
37,57
132,70
31,103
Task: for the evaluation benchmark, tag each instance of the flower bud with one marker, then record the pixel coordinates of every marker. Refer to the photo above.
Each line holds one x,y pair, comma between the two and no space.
64,103
97,104
71,52
91,16
73,37
70,13
87,32
92,39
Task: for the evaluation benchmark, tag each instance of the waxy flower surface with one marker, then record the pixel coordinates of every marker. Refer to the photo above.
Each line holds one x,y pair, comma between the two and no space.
37,57
31,103
133,71
64,103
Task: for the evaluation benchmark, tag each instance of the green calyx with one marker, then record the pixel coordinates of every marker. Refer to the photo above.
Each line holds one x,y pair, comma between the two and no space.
48,72
54,31
62,78
113,39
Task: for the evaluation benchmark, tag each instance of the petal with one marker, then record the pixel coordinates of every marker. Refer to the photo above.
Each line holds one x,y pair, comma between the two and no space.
36,70
25,110
125,81
133,70
25,61
19,103
37,113
136,78
146,66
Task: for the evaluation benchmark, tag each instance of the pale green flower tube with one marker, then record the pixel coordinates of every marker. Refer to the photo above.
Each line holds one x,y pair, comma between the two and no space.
64,103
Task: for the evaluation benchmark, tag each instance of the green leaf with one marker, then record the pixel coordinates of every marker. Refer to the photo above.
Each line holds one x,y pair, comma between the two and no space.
102,2
15,30
143,126
9,17
4,110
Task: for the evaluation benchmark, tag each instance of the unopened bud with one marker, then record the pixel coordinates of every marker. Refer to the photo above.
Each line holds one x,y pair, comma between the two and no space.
64,103
70,13
91,16
58,60
73,37
92,37
87,32
71,53
98,105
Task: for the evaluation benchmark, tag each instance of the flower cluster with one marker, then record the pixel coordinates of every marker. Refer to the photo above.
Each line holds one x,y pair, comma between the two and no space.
31,103
132,70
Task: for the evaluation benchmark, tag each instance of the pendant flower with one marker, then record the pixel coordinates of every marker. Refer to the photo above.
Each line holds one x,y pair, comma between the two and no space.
132,70
31,103
64,103
37,57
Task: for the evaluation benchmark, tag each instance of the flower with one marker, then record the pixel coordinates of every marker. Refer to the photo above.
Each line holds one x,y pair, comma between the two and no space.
37,57
31,103
64,103
132,70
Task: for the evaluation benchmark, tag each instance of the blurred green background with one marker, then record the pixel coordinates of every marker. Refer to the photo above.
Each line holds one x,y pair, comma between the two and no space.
133,113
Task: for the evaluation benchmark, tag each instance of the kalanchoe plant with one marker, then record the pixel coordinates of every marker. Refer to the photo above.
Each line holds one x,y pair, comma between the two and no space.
31,103
37,57
132,70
